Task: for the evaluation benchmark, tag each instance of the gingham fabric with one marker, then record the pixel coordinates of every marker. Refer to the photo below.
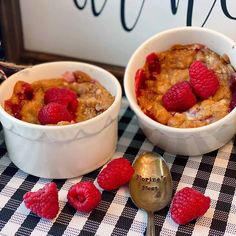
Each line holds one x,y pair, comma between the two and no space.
214,174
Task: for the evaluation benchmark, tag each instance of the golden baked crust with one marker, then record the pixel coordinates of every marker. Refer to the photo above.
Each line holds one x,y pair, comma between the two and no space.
174,65
93,98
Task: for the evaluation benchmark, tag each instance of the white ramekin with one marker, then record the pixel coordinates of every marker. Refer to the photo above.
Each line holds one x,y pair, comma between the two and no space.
61,151
184,141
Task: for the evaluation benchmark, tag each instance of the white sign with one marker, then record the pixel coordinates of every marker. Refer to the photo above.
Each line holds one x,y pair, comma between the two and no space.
110,31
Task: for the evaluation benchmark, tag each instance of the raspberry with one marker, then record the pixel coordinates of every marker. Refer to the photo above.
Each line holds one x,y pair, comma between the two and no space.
84,196
53,113
203,80
43,202
179,97
117,173
62,96
139,81
153,63
188,204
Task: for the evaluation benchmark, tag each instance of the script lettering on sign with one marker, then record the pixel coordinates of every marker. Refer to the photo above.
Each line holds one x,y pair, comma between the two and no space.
174,4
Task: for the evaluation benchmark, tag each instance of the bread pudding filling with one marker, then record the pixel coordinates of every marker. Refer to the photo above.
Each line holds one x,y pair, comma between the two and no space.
73,98
186,86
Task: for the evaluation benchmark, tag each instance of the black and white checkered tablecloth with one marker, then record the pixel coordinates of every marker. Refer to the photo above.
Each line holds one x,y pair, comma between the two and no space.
213,174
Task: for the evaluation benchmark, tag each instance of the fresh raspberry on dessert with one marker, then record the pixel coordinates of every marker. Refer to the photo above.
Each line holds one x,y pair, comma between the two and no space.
188,204
62,96
153,63
84,196
179,97
52,113
117,173
43,202
139,81
203,80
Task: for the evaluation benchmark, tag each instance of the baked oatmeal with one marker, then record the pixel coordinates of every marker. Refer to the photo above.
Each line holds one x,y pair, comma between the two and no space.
72,98
206,97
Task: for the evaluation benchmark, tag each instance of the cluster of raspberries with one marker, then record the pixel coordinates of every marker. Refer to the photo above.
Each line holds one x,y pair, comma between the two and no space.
187,204
60,105
202,84
83,196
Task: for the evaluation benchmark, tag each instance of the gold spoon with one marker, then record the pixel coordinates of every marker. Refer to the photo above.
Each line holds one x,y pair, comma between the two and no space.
151,185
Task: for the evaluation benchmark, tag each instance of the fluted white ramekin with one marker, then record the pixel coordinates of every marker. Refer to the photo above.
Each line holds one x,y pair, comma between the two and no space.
61,151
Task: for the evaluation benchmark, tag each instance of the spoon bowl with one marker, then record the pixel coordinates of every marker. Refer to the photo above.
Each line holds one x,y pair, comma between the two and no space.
151,185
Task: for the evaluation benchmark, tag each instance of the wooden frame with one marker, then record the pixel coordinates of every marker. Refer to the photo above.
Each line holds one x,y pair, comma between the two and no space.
10,22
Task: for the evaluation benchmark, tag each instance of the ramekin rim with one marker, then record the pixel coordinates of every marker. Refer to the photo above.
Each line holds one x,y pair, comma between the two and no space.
117,100
136,109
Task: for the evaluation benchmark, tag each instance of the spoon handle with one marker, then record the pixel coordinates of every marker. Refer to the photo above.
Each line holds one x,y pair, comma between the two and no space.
150,224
